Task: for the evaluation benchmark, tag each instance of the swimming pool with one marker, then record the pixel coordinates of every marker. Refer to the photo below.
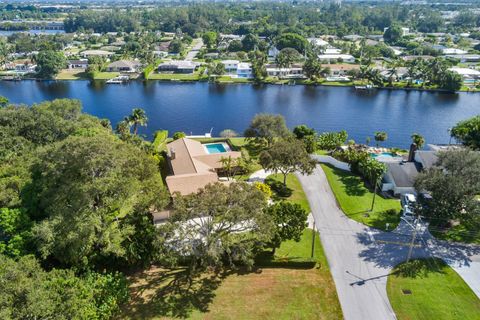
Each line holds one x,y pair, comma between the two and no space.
383,154
216,147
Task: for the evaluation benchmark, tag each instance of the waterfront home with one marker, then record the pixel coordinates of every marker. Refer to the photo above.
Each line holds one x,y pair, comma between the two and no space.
21,66
178,66
231,66
244,70
124,66
400,176
293,72
77,64
90,53
337,57
470,76
194,165
353,37
341,69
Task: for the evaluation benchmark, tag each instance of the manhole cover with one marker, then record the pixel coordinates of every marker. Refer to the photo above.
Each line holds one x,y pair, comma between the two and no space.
407,291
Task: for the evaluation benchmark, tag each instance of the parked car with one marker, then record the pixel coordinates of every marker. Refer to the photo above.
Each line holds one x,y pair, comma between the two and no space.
408,213
408,199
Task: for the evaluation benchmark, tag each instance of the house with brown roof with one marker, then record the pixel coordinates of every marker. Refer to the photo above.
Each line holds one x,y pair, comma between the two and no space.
194,165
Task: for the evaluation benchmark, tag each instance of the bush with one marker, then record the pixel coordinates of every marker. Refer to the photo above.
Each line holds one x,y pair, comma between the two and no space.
265,188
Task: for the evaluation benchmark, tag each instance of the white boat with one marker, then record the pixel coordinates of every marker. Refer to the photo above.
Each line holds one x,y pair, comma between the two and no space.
119,80
367,87
338,79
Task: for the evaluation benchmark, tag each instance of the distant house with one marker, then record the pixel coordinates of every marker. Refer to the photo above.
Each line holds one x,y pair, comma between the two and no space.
273,52
318,42
124,66
77,64
89,53
193,165
465,57
21,67
400,176
453,51
293,72
470,76
178,66
353,37
336,57
332,51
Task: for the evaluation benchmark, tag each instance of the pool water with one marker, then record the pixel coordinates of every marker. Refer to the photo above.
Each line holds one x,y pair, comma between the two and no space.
383,154
215,148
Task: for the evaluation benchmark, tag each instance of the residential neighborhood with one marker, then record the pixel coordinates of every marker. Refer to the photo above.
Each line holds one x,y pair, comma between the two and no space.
240,160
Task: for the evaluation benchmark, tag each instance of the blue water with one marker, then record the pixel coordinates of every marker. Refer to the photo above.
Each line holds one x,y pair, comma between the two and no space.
383,154
215,148
196,108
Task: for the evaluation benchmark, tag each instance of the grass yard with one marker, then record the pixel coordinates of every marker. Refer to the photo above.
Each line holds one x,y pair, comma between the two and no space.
463,232
291,286
293,192
174,76
355,200
437,292
105,75
72,74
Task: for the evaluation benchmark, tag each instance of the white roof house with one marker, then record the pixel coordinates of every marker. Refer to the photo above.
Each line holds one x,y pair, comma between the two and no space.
453,51
343,57
88,53
466,72
332,51
230,65
244,70
318,42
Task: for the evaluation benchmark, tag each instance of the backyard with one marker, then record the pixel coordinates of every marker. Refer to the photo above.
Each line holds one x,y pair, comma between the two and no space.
290,285
355,200
429,289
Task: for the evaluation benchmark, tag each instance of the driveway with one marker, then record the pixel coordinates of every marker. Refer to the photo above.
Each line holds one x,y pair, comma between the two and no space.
361,258
197,45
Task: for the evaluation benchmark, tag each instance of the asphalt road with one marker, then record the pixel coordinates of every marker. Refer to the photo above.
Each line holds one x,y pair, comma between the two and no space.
361,258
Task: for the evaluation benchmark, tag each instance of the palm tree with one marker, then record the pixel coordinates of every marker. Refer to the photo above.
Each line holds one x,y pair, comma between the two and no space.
392,70
138,117
418,140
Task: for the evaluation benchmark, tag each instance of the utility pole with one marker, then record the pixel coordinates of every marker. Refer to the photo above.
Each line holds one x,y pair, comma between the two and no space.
414,235
313,240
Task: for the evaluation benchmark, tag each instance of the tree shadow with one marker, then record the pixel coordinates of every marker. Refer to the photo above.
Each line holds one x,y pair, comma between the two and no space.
419,268
281,191
172,293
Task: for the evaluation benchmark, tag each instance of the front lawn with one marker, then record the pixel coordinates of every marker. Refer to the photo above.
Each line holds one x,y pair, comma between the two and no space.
293,192
434,291
290,286
463,232
71,74
174,76
105,75
355,199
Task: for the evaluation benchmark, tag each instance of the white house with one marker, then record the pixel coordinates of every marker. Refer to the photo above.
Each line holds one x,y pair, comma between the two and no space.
336,57
78,64
295,72
465,57
231,66
318,42
88,53
244,70
332,51
453,51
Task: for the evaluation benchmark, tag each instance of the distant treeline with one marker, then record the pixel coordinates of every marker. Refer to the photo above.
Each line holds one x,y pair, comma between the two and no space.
269,18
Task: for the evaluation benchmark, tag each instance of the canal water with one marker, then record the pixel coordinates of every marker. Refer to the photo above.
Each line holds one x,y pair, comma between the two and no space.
197,108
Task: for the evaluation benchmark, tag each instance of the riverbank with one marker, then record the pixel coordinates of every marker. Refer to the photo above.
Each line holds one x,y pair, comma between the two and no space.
197,77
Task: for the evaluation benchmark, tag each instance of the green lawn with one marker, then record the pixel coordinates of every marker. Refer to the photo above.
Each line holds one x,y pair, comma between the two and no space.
464,232
75,74
437,292
105,75
321,152
293,192
290,286
355,200
174,76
